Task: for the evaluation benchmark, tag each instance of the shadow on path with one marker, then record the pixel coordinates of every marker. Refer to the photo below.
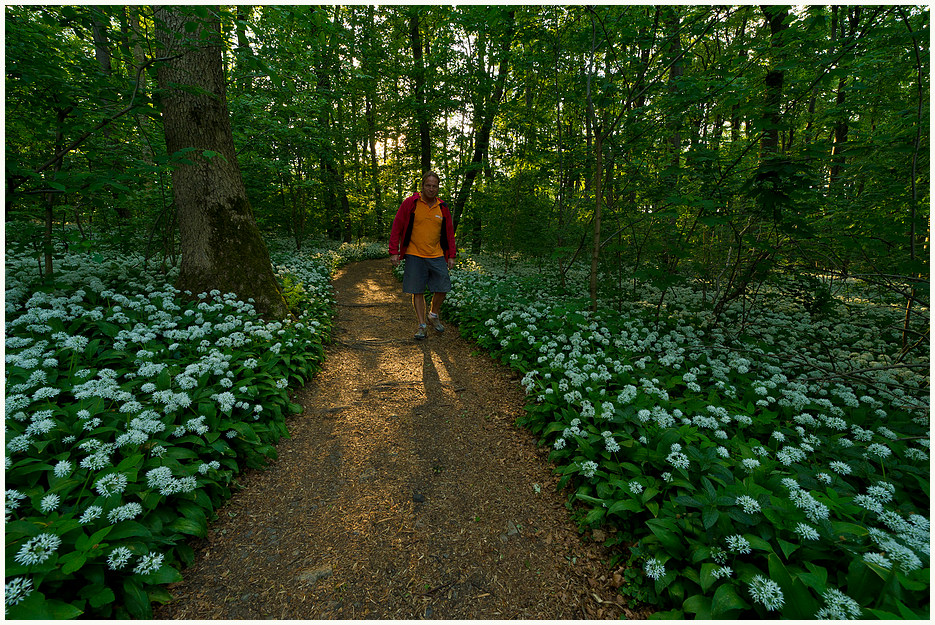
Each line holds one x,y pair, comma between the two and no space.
405,491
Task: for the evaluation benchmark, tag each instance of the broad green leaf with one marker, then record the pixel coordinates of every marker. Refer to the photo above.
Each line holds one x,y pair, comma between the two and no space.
726,600
908,614
164,575
687,501
136,600
758,543
621,505
36,607
188,526
841,527
699,605
816,578
97,595
787,547
85,542
129,529
71,562
662,529
108,329
595,516
913,584
590,499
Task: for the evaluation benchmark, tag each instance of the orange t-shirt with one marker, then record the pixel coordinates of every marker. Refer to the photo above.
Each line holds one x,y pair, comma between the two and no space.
426,230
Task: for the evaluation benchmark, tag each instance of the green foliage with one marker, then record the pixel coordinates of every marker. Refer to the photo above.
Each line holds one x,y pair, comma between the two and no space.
58,95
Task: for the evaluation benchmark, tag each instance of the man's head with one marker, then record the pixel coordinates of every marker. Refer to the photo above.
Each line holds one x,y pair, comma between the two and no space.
430,181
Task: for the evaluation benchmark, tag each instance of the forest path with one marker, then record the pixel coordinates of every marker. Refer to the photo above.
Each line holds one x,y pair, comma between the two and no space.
405,491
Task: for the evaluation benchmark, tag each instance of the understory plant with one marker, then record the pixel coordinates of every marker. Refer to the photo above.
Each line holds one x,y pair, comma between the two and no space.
130,410
772,467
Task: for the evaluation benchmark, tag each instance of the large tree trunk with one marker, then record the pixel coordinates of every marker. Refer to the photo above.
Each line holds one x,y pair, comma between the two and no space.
221,244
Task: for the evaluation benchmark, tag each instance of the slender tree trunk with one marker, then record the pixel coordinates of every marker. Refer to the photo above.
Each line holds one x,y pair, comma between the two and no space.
243,45
598,172
598,198
562,173
735,120
841,126
104,59
775,18
101,49
328,171
676,71
425,143
341,174
370,97
123,43
374,166
671,19
50,197
139,56
482,143
221,244
914,198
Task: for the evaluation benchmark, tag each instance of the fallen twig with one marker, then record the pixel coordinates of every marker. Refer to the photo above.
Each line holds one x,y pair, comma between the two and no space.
439,587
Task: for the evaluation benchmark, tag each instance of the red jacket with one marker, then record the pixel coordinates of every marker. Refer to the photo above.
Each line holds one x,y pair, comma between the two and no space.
401,231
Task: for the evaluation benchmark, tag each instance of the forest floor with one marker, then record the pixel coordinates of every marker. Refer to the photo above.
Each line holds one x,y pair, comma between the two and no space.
406,491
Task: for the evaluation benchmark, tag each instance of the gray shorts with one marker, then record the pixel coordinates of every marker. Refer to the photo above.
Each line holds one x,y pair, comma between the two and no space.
420,274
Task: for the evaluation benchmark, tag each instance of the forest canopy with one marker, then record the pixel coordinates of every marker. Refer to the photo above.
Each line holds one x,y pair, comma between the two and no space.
718,142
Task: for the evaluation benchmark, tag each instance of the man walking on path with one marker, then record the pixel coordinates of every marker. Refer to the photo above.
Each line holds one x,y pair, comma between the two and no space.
423,234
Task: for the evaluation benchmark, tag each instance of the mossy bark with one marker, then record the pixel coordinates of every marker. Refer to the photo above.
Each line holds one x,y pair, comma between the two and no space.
222,247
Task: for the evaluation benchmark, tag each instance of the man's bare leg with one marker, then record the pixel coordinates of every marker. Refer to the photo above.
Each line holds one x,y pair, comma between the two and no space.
437,299
418,303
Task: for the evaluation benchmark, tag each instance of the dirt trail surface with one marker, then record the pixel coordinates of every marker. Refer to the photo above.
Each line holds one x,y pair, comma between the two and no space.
405,491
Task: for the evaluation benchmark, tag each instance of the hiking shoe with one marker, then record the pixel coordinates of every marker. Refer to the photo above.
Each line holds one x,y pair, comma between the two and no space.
436,323
420,332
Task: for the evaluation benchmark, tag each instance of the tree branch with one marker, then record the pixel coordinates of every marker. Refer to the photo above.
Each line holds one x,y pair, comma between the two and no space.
105,122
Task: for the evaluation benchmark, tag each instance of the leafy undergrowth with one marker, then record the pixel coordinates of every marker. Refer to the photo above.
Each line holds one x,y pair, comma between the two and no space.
774,465
129,413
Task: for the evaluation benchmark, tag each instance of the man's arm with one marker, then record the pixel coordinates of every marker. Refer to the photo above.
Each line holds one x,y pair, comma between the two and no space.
397,229
449,235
